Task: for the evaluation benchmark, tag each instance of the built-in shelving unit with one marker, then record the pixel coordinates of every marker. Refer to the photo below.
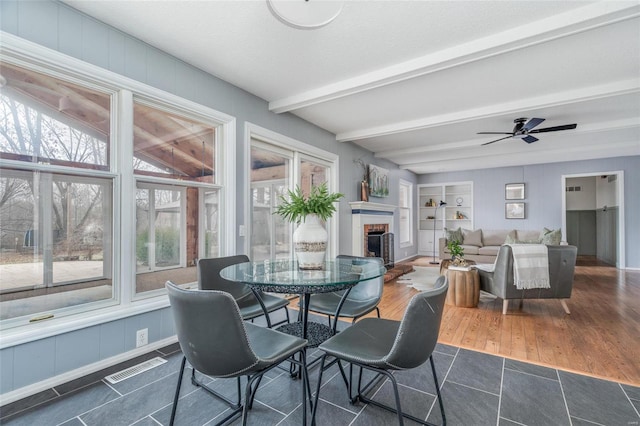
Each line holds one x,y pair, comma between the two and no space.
458,212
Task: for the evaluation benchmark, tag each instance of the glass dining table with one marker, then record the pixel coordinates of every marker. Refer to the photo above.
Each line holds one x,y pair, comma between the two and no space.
284,276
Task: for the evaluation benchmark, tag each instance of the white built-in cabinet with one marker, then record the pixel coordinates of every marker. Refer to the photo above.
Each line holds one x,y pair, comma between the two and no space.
457,213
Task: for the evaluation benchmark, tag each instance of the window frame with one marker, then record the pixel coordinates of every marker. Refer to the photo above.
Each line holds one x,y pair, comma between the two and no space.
409,209
50,62
299,151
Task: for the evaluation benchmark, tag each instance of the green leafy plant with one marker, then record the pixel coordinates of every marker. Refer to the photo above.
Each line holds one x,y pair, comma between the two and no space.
457,252
295,207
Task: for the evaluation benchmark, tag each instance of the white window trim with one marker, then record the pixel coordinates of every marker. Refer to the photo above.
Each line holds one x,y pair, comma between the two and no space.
410,209
301,150
31,55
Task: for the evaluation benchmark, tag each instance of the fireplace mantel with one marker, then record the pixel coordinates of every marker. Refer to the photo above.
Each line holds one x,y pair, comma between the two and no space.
364,207
364,213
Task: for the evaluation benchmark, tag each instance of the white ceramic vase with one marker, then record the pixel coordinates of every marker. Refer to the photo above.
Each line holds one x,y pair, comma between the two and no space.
310,243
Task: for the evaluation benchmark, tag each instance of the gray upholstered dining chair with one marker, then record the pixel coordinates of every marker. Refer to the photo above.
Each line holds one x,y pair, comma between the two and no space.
250,306
363,298
382,345
217,342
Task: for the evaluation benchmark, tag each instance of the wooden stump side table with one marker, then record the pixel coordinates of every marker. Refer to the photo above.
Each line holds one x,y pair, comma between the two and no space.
464,288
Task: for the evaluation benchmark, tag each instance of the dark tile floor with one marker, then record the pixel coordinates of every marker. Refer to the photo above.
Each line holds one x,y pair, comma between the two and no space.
477,389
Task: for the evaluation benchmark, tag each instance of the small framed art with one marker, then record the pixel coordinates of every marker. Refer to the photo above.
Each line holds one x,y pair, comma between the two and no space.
514,191
514,210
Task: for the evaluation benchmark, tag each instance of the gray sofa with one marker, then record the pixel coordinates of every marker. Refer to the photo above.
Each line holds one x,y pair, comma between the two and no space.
562,261
482,245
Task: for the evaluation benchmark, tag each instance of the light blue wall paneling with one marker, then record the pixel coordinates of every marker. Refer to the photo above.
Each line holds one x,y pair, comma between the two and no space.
117,44
161,70
135,56
543,194
95,43
82,347
6,370
112,338
37,22
34,361
70,35
9,16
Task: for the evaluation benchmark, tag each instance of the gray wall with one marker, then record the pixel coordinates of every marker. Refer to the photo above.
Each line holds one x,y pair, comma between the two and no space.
543,194
61,28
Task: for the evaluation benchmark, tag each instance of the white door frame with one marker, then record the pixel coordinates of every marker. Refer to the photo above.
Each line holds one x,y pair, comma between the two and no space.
620,255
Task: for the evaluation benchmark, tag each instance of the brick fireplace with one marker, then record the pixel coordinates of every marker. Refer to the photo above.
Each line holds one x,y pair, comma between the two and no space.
369,218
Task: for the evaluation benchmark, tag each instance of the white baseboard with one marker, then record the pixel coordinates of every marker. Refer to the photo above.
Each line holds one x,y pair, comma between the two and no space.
51,382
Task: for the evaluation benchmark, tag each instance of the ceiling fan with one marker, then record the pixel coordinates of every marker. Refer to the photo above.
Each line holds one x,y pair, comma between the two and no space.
523,129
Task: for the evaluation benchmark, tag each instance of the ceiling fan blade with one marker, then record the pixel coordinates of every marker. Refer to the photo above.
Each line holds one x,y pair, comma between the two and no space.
555,128
533,122
506,137
529,139
494,133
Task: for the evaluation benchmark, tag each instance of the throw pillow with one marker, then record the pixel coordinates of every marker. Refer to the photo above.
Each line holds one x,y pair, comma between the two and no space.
511,238
529,236
472,238
551,237
453,235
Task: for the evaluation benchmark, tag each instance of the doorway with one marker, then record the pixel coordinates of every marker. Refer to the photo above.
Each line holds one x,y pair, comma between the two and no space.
593,215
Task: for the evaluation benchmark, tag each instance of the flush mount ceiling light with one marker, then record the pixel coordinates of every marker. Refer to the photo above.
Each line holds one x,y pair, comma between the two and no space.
305,14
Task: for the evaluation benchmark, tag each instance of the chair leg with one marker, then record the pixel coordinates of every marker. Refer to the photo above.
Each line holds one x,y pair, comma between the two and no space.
563,302
435,380
505,306
398,410
378,311
177,395
306,388
317,398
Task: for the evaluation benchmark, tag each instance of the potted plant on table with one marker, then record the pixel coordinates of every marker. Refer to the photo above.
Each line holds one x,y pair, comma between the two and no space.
309,212
457,253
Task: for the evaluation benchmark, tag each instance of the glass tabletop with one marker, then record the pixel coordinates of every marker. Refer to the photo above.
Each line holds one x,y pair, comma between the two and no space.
284,276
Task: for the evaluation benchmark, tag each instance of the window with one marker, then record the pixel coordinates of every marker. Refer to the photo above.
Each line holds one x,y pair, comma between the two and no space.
71,180
405,210
270,178
170,145
56,196
278,164
171,220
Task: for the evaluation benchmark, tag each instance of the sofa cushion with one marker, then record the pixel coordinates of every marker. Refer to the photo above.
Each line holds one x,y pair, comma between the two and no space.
453,235
550,237
469,249
489,250
529,237
472,237
494,237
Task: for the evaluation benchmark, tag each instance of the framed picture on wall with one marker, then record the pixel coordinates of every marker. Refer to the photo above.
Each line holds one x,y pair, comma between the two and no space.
514,191
378,181
514,210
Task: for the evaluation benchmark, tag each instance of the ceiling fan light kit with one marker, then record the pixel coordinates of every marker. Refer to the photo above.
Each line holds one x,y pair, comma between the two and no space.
524,127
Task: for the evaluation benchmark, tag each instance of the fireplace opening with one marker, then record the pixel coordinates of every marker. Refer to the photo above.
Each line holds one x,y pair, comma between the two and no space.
380,244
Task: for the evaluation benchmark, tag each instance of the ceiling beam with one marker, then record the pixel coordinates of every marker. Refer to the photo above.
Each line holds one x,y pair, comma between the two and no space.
617,88
555,27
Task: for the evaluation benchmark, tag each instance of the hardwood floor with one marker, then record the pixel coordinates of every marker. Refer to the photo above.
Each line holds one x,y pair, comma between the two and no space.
600,338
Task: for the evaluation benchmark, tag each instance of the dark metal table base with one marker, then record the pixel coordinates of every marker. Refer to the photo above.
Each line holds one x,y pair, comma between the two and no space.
316,332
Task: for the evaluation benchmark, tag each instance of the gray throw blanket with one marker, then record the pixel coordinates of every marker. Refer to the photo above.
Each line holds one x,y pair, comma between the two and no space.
530,266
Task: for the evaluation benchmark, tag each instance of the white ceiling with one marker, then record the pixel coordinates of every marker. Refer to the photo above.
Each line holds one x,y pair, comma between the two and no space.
414,81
